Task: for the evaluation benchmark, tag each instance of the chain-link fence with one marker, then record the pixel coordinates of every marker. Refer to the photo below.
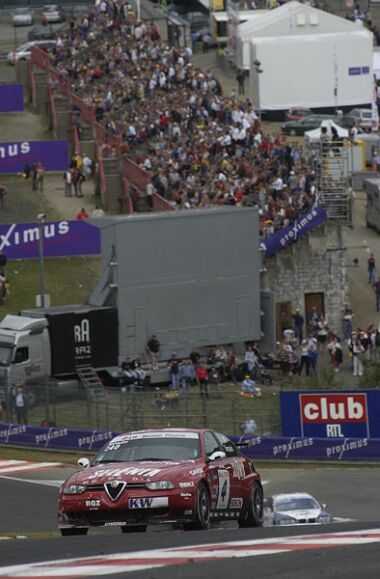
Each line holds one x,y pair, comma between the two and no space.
119,410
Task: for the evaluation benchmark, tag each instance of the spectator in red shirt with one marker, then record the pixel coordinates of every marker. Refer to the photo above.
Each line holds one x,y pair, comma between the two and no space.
202,379
82,214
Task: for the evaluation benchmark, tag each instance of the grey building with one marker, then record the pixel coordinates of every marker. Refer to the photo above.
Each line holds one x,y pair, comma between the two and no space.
190,277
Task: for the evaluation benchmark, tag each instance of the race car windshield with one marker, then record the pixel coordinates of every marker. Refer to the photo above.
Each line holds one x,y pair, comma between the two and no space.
154,449
297,504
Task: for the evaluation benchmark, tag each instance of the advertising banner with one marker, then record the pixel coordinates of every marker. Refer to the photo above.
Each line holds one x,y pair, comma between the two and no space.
52,437
61,239
54,155
289,235
332,414
295,448
11,98
257,447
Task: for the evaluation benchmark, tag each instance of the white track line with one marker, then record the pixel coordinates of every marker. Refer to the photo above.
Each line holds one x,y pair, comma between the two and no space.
10,466
137,561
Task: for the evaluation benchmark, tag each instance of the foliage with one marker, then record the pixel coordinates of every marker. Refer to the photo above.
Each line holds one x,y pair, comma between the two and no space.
371,376
324,379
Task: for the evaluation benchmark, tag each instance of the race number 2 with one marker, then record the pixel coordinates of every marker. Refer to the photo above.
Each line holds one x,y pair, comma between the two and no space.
223,490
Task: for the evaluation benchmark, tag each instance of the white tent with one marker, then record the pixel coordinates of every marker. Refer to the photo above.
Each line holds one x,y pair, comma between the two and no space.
376,62
309,58
315,134
292,18
243,40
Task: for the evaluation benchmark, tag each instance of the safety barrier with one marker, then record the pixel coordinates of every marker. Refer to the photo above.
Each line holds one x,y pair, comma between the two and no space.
53,112
63,83
32,84
100,133
127,205
102,175
87,111
135,174
75,139
256,447
161,204
40,58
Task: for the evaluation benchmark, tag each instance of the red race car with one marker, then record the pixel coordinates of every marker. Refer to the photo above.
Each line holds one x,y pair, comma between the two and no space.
174,475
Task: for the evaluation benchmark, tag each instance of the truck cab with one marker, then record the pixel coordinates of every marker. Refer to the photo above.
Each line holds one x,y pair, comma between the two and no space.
24,350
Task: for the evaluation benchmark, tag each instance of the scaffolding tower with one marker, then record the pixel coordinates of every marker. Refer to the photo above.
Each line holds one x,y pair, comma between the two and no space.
335,178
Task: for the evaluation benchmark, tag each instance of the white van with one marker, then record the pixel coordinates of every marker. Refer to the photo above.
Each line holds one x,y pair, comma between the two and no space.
23,52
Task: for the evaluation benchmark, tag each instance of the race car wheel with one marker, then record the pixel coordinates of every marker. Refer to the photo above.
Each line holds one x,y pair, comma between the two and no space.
254,515
134,529
202,510
74,531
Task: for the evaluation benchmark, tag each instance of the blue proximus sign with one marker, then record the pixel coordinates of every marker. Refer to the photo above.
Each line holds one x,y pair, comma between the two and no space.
255,447
288,235
331,414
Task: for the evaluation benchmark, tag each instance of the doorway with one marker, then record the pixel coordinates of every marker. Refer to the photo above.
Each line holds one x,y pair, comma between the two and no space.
314,300
283,319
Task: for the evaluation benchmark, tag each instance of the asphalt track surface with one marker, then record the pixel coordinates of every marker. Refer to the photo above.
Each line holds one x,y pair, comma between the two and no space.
28,504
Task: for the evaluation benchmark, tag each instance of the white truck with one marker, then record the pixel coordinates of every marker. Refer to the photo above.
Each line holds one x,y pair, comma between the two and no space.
60,344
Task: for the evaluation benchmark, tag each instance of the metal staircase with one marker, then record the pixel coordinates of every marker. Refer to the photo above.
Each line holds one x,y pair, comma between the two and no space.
334,179
92,383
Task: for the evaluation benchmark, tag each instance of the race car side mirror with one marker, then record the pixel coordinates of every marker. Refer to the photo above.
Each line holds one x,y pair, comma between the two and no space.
83,462
217,455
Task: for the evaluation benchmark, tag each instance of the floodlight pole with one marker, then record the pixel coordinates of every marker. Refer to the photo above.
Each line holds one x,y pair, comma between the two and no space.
41,220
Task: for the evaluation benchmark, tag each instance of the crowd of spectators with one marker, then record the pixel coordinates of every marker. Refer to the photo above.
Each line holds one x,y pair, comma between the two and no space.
199,147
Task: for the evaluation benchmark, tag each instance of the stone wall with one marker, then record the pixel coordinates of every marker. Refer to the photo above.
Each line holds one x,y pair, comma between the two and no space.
316,263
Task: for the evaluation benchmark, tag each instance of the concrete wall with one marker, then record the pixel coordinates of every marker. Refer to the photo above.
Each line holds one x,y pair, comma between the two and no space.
316,263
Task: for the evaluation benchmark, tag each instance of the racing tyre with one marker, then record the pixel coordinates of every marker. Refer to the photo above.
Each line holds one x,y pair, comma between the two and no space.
202,511
74,531
254,515
134,529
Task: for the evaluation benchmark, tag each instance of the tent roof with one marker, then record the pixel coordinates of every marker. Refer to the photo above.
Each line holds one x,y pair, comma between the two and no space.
287,14
315,134
244,29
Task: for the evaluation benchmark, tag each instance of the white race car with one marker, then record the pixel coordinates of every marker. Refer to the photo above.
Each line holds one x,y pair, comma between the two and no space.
295,509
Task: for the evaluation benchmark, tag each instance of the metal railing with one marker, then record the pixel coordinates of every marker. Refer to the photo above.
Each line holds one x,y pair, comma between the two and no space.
156,408
53,112
102,176
161,204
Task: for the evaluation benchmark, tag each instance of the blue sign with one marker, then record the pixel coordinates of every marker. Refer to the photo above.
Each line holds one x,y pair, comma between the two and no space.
52,437
256,447
331,414
54,155
358,70
295,448
289,235
11,98
61,239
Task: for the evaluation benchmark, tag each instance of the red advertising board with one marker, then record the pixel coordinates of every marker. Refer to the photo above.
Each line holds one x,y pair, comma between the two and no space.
333,408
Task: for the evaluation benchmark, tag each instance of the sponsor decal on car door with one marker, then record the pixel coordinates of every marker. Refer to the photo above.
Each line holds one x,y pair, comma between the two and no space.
224,489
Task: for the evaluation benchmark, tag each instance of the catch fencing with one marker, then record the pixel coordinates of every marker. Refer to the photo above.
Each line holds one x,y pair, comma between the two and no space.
126,410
